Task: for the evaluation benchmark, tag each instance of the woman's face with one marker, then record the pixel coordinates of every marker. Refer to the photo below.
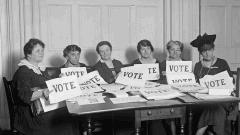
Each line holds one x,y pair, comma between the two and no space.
145,52
208,54
105,52
73,57
37,54
175,52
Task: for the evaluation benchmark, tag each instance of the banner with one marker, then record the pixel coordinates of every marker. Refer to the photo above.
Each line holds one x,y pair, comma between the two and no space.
74,71
63,88
133,76
49,107
90,88
221,81
178,67
151,71
181,78
91,78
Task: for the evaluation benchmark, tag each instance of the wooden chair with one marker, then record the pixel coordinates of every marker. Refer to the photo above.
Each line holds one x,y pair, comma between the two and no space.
11,99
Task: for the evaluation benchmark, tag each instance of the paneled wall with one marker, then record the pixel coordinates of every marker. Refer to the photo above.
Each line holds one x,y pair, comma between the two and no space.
86,22
222,17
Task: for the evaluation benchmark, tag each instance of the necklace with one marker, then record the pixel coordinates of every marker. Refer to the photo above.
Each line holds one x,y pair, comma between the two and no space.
200,73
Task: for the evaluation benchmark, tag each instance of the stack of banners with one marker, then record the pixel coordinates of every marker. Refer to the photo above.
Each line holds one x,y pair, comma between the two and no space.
129,99
151,71
209,97
63,88
90,88
133,76
74,71
160,93
88,98
219,84
49,107
112,87
91,78
194,87
179,72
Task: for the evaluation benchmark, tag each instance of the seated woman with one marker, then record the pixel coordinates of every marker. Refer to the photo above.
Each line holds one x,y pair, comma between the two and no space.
72,55
107,67
175,49
28,78
145,49
213,116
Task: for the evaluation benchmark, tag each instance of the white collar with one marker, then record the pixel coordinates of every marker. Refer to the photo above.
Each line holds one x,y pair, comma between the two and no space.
36,69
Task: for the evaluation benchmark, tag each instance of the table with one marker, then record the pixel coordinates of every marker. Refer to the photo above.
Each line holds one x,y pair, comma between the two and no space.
143,111
151,110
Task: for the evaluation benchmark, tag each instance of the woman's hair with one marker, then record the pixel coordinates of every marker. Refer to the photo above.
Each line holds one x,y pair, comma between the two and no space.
103,43
144,43
28,47
71,48
206,47
171,42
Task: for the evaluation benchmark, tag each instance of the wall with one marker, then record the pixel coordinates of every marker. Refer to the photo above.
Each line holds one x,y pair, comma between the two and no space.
83,22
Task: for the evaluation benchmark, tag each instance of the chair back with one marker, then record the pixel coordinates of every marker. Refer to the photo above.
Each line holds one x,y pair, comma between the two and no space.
237,80
10,99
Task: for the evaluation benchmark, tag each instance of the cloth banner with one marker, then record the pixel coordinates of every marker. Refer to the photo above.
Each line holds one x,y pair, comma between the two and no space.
91,78
63,88
178,67
180,78
151,70
133,76
74,71
219,84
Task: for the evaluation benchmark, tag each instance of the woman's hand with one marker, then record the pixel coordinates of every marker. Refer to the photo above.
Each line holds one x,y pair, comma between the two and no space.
61,75
45,93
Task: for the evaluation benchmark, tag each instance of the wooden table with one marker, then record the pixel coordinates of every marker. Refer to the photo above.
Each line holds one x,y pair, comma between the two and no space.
151,110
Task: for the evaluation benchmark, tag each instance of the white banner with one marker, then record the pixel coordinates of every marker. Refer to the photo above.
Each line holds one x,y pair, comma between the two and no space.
181,78
131,76
221,81
90,88
74,71
91,78
63,88
151,70
49,107
178,67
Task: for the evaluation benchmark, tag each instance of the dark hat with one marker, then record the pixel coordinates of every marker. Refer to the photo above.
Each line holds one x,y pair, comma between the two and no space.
204,39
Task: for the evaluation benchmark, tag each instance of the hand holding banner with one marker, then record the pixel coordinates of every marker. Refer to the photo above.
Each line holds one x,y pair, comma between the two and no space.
63,88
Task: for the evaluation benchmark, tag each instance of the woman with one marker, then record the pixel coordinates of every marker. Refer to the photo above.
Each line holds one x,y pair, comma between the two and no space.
29,81
107,67
175,49
145,49
213,116
72,55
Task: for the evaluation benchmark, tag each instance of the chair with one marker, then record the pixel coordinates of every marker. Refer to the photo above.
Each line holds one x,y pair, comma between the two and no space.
11,104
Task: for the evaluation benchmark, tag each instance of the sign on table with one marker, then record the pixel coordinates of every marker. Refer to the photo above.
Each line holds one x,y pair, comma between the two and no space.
180,78
91,78
90,88
49,107
178,67
63,88
151,71
74,71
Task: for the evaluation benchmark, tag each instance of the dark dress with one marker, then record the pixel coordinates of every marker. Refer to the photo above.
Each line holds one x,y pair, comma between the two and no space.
56,122
105,72
213,115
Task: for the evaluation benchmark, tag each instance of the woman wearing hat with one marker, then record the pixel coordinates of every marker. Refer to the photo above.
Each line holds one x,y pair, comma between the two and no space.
212,118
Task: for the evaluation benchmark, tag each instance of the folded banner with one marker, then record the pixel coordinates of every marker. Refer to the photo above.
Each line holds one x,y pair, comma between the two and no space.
91,78
133,76
74,71
221,81
180,78
151,71
178,67
90,88
63,88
